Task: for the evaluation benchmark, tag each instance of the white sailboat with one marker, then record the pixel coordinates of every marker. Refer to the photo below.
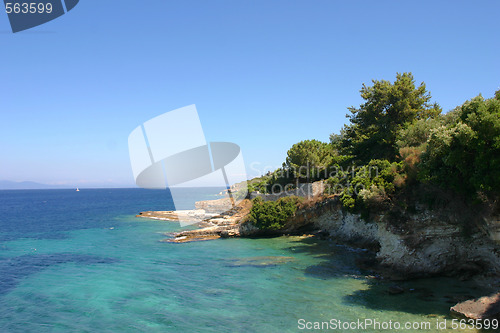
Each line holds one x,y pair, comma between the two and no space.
77,189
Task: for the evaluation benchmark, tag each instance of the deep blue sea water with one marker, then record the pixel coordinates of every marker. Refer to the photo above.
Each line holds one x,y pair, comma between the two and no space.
82,262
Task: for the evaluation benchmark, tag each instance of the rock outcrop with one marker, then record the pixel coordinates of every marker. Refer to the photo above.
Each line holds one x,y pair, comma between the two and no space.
228,224
487,307
423,244
187,216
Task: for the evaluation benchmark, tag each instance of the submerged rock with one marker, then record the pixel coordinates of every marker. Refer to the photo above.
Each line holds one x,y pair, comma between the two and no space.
395,290
260,261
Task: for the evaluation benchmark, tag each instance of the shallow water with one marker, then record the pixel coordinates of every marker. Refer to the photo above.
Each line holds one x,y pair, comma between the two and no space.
81,261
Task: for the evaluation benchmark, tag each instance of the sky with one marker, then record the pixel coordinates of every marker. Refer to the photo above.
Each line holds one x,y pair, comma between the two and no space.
262,74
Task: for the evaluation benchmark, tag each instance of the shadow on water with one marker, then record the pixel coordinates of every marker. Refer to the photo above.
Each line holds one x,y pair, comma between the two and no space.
427,296
421,296
14,270
336,260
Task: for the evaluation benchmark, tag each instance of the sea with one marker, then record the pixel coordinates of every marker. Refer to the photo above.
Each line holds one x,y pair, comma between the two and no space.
83,262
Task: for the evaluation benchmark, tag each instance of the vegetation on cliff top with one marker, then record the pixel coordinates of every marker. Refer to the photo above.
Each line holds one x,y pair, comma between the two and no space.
272,215
397,141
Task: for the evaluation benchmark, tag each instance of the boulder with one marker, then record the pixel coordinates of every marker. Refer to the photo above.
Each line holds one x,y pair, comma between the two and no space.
481,308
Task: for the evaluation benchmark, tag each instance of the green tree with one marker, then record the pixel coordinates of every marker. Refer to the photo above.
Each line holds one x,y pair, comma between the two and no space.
308,158
388,109
465,154
336,141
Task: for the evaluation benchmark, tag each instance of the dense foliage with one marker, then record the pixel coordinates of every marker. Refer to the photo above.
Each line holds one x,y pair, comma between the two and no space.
309,158
258,184
464,154
397,142
369,186
388,109
272,215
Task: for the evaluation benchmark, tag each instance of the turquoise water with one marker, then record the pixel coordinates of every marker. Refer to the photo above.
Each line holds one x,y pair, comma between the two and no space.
81,262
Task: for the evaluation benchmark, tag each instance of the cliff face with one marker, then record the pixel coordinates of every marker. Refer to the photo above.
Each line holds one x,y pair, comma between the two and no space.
424,243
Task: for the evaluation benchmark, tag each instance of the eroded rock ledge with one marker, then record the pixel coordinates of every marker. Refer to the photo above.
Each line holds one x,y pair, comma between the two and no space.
210,225
425,243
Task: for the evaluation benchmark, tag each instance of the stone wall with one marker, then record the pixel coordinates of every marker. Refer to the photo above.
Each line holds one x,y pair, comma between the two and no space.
307,190
214,206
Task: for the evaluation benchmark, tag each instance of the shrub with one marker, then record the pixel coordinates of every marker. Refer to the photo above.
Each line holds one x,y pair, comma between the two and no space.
417,133
374,196
272,215
464,155
369,186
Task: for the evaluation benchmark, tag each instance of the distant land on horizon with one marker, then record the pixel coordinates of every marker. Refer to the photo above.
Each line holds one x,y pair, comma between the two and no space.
30,185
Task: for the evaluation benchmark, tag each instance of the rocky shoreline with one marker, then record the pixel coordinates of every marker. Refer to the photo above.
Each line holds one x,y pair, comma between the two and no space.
426,245
210,225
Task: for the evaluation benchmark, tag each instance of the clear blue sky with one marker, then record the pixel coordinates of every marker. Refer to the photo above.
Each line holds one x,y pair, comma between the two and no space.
263,74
